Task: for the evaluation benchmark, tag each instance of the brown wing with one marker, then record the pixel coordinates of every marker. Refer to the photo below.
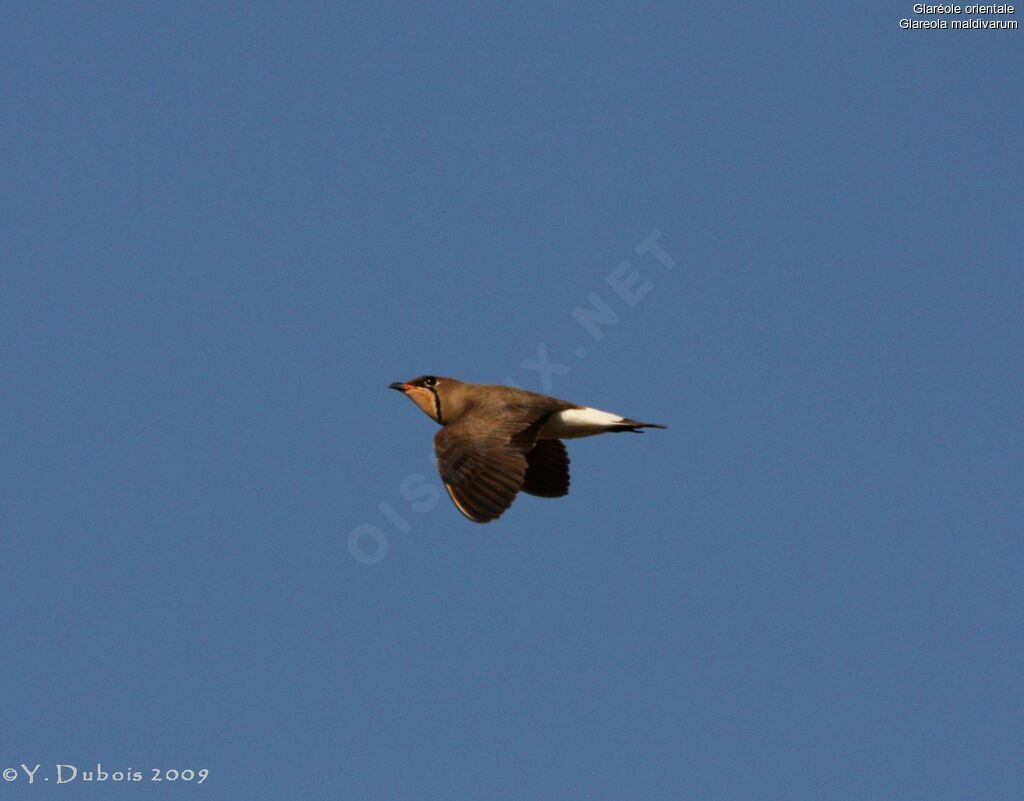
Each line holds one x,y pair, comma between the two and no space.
482,460
547,469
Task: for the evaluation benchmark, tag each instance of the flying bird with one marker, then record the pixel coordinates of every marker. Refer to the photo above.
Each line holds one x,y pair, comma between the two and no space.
498,440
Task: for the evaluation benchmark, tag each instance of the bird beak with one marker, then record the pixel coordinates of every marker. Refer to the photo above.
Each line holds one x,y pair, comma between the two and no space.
399,385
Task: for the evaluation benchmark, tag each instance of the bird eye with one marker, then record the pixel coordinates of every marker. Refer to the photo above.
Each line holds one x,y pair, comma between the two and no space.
429,381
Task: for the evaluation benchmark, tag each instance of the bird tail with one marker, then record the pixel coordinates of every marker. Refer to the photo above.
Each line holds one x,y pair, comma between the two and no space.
634,426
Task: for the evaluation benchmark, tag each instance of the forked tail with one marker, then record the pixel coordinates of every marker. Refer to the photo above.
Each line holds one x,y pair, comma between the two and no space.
634,426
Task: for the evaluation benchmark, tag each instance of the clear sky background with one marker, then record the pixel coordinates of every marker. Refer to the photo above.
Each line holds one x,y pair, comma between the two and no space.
227,228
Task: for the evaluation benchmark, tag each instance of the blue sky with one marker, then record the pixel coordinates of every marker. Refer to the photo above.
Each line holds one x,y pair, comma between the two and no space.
227,229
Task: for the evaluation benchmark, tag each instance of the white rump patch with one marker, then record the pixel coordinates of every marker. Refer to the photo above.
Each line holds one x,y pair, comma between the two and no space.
573,423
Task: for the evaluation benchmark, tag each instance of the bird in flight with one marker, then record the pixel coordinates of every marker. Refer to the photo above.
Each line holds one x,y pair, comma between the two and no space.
498,440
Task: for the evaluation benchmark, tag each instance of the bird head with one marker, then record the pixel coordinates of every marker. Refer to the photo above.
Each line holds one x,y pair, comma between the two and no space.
428,392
